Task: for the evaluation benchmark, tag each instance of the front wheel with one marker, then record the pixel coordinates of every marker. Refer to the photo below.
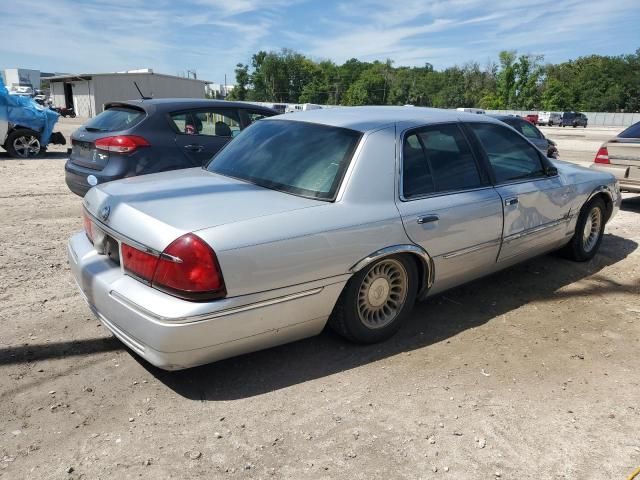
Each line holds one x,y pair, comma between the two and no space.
377,300
23,143
587,238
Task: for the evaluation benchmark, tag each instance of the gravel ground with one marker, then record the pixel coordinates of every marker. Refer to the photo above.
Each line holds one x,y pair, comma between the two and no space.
531,373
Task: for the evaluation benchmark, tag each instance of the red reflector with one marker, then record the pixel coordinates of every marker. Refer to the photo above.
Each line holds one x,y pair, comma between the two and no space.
139,263
121,143
88,225
602,156
188,268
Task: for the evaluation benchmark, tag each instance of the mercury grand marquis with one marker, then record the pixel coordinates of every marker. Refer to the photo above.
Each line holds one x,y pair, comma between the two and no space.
342,216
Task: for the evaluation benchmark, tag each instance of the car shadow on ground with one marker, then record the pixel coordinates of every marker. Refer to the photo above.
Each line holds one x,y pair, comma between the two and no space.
631,204
44,156
432,321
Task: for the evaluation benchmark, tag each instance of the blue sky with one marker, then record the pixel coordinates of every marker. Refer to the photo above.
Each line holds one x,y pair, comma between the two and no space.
211,36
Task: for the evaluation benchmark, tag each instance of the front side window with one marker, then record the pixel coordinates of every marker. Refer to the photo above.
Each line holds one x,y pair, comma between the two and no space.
511,157
300,158
437,159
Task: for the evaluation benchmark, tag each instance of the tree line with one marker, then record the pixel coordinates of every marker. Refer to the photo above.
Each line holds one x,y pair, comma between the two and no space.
518,82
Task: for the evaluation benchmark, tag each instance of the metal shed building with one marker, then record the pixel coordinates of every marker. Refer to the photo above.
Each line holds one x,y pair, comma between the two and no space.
87,93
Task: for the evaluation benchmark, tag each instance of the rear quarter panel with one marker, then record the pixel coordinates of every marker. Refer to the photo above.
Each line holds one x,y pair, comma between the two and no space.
297,247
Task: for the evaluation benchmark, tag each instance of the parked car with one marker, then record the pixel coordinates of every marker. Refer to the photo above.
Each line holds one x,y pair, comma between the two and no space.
549,118
26,128
620,156
148,136
535,136
573,119
344,215
531,117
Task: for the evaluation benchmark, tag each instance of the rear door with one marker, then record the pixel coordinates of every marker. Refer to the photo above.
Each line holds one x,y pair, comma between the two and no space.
201,133
536,206
447,204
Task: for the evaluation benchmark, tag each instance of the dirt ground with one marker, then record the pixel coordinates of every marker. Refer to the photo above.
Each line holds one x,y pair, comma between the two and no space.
531,373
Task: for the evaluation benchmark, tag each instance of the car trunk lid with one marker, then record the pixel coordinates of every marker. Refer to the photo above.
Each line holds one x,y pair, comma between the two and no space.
156,209
624,151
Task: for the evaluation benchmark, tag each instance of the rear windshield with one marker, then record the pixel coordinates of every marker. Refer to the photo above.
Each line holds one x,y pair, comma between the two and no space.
300,158
632,132
113,119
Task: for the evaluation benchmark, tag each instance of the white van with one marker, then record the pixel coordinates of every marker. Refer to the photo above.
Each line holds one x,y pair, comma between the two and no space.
471,110
549,118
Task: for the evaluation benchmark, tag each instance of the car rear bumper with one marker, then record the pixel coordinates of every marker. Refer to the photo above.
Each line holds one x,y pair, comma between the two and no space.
628,177
77,176
174,334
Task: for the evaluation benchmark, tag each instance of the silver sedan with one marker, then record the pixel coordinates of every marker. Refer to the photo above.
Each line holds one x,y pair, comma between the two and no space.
343,217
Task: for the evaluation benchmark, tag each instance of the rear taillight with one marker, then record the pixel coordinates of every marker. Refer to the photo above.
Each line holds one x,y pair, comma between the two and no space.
140,264
188,268
88,225
121,143
602,156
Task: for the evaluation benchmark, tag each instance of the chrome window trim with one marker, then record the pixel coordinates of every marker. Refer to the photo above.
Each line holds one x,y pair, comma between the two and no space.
209,316
400,154
473,248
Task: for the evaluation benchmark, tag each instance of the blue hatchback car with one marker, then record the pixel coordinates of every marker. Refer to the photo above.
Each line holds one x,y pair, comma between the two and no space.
148,136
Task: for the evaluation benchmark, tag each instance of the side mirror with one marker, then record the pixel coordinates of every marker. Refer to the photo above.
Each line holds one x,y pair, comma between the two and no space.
551,171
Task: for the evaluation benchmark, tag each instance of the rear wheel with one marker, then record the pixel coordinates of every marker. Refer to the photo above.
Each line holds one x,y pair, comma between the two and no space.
23,143
377,300
587,238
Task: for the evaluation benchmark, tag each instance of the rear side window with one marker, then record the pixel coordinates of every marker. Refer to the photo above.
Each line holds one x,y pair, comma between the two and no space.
255,115
114,119
511,156
632,132
437,159
213,123
528,130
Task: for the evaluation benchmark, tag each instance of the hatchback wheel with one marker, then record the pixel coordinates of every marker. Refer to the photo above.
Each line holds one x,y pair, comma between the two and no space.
587,238
377,300
23,143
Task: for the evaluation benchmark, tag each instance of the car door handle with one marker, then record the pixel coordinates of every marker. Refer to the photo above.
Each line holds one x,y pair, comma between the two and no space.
511,201
422,219
194,147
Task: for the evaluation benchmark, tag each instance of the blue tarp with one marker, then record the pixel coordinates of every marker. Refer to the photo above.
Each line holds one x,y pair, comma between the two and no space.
24,111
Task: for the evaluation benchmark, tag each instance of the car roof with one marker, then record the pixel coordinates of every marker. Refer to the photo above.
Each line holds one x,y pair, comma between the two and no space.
365,119
173,104
507,117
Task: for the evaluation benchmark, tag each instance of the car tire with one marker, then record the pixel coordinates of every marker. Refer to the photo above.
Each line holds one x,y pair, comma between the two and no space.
23,143
589,232
377,300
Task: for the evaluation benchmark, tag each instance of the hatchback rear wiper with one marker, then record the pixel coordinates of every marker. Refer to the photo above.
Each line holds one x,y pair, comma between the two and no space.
94,129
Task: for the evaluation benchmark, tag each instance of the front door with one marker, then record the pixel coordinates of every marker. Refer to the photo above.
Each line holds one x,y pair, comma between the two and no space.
447,206
202,133
536,205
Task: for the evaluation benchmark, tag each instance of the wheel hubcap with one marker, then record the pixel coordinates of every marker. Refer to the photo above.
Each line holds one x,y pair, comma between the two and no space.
591,231
26,146
382,294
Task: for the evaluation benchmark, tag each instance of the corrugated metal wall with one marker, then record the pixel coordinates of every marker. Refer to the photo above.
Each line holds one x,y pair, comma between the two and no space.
603,119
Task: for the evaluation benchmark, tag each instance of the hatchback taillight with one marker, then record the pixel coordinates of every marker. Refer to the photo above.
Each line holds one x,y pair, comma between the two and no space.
602,156
188,268
121,143
88,225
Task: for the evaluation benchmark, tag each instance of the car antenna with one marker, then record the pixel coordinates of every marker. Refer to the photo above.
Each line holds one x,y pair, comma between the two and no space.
140,92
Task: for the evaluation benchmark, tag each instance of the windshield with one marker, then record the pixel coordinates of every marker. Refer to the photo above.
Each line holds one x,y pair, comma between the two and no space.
114,119
301,158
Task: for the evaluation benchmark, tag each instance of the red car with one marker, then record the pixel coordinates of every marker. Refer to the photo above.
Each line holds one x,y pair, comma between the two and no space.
533,118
